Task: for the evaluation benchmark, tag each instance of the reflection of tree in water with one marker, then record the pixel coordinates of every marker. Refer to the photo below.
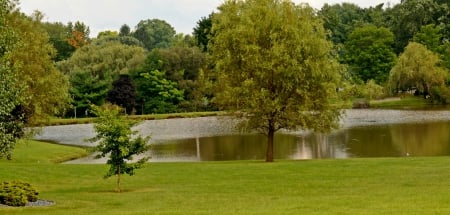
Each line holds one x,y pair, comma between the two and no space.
422,139
318,145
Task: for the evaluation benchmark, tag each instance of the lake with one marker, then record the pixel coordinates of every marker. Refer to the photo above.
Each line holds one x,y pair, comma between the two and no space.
397,140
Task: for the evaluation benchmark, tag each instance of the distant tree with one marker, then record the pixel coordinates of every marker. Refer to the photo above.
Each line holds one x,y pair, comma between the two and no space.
417,67
202,32
79,34
123,93
107,34
274,67
10,85
407,18
341,19
102,61
369,53
155,93
115,141
180,64
58,37
124,30
154,33
88,89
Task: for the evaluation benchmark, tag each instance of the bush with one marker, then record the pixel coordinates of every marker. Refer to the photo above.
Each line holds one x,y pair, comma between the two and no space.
440,94
17,193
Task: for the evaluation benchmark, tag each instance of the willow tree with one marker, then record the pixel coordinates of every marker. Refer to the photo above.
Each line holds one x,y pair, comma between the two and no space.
419,68
274,66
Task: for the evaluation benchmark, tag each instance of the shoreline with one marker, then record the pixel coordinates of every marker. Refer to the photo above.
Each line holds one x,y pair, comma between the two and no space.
184,128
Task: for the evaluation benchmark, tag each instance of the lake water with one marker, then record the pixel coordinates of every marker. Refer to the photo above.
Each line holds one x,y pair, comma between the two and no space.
398,140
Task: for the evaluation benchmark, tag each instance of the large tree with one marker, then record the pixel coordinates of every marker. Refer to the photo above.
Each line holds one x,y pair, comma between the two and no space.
47,91
418,67
369,53
10,85
274,67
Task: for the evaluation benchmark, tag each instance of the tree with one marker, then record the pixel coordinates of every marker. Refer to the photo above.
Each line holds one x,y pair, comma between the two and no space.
202,32
406,19
47,91
180,64
99,64
417,67
87,89
341,19
124,30
115,140
123,93
79,34
155,93
10,87
274,67
369,53
58,37
154,33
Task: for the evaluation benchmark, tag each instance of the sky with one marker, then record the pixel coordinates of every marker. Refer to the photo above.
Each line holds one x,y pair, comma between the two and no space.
101,15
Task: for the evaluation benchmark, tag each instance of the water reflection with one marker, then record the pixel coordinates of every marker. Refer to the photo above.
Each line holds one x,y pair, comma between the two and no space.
419,139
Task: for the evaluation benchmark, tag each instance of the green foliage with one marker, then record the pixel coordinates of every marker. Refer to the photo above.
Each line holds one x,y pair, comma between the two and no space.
115,141
156,93
202,32
58,36
369,53
94,67
47,92
273,65
417,68
154,33
407,18
341,19
17,193
368,91
11,87
181,65
87,89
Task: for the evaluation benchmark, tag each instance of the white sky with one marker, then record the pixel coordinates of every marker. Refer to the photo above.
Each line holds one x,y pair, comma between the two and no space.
101,15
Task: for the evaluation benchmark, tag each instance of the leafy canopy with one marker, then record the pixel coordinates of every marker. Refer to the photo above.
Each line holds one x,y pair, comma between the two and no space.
417,67
115,141
273,64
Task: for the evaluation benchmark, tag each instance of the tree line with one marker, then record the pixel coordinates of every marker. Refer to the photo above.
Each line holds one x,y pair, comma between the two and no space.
56,69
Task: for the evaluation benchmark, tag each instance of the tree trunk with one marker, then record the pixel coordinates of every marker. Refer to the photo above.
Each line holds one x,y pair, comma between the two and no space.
270,135
118,180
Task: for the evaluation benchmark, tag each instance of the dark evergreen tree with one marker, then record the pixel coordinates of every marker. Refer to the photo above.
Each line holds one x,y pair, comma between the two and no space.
202,32
123,93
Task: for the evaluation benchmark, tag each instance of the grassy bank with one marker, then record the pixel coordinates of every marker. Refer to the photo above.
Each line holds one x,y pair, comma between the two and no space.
407,102
351,186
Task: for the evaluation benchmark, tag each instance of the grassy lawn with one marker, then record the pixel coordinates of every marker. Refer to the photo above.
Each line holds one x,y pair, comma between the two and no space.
407,102
350,186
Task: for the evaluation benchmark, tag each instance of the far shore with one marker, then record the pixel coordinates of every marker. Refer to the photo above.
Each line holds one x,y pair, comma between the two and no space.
183,128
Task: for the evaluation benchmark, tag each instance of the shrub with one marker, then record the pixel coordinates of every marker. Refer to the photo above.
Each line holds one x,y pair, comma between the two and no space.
17,193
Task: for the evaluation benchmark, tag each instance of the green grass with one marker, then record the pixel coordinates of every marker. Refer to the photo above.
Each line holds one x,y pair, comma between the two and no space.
407,102
350,186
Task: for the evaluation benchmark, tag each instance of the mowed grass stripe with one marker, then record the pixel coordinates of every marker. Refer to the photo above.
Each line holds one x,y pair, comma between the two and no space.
349,186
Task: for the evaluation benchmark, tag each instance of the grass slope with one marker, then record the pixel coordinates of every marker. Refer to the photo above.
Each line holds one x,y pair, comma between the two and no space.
350,186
